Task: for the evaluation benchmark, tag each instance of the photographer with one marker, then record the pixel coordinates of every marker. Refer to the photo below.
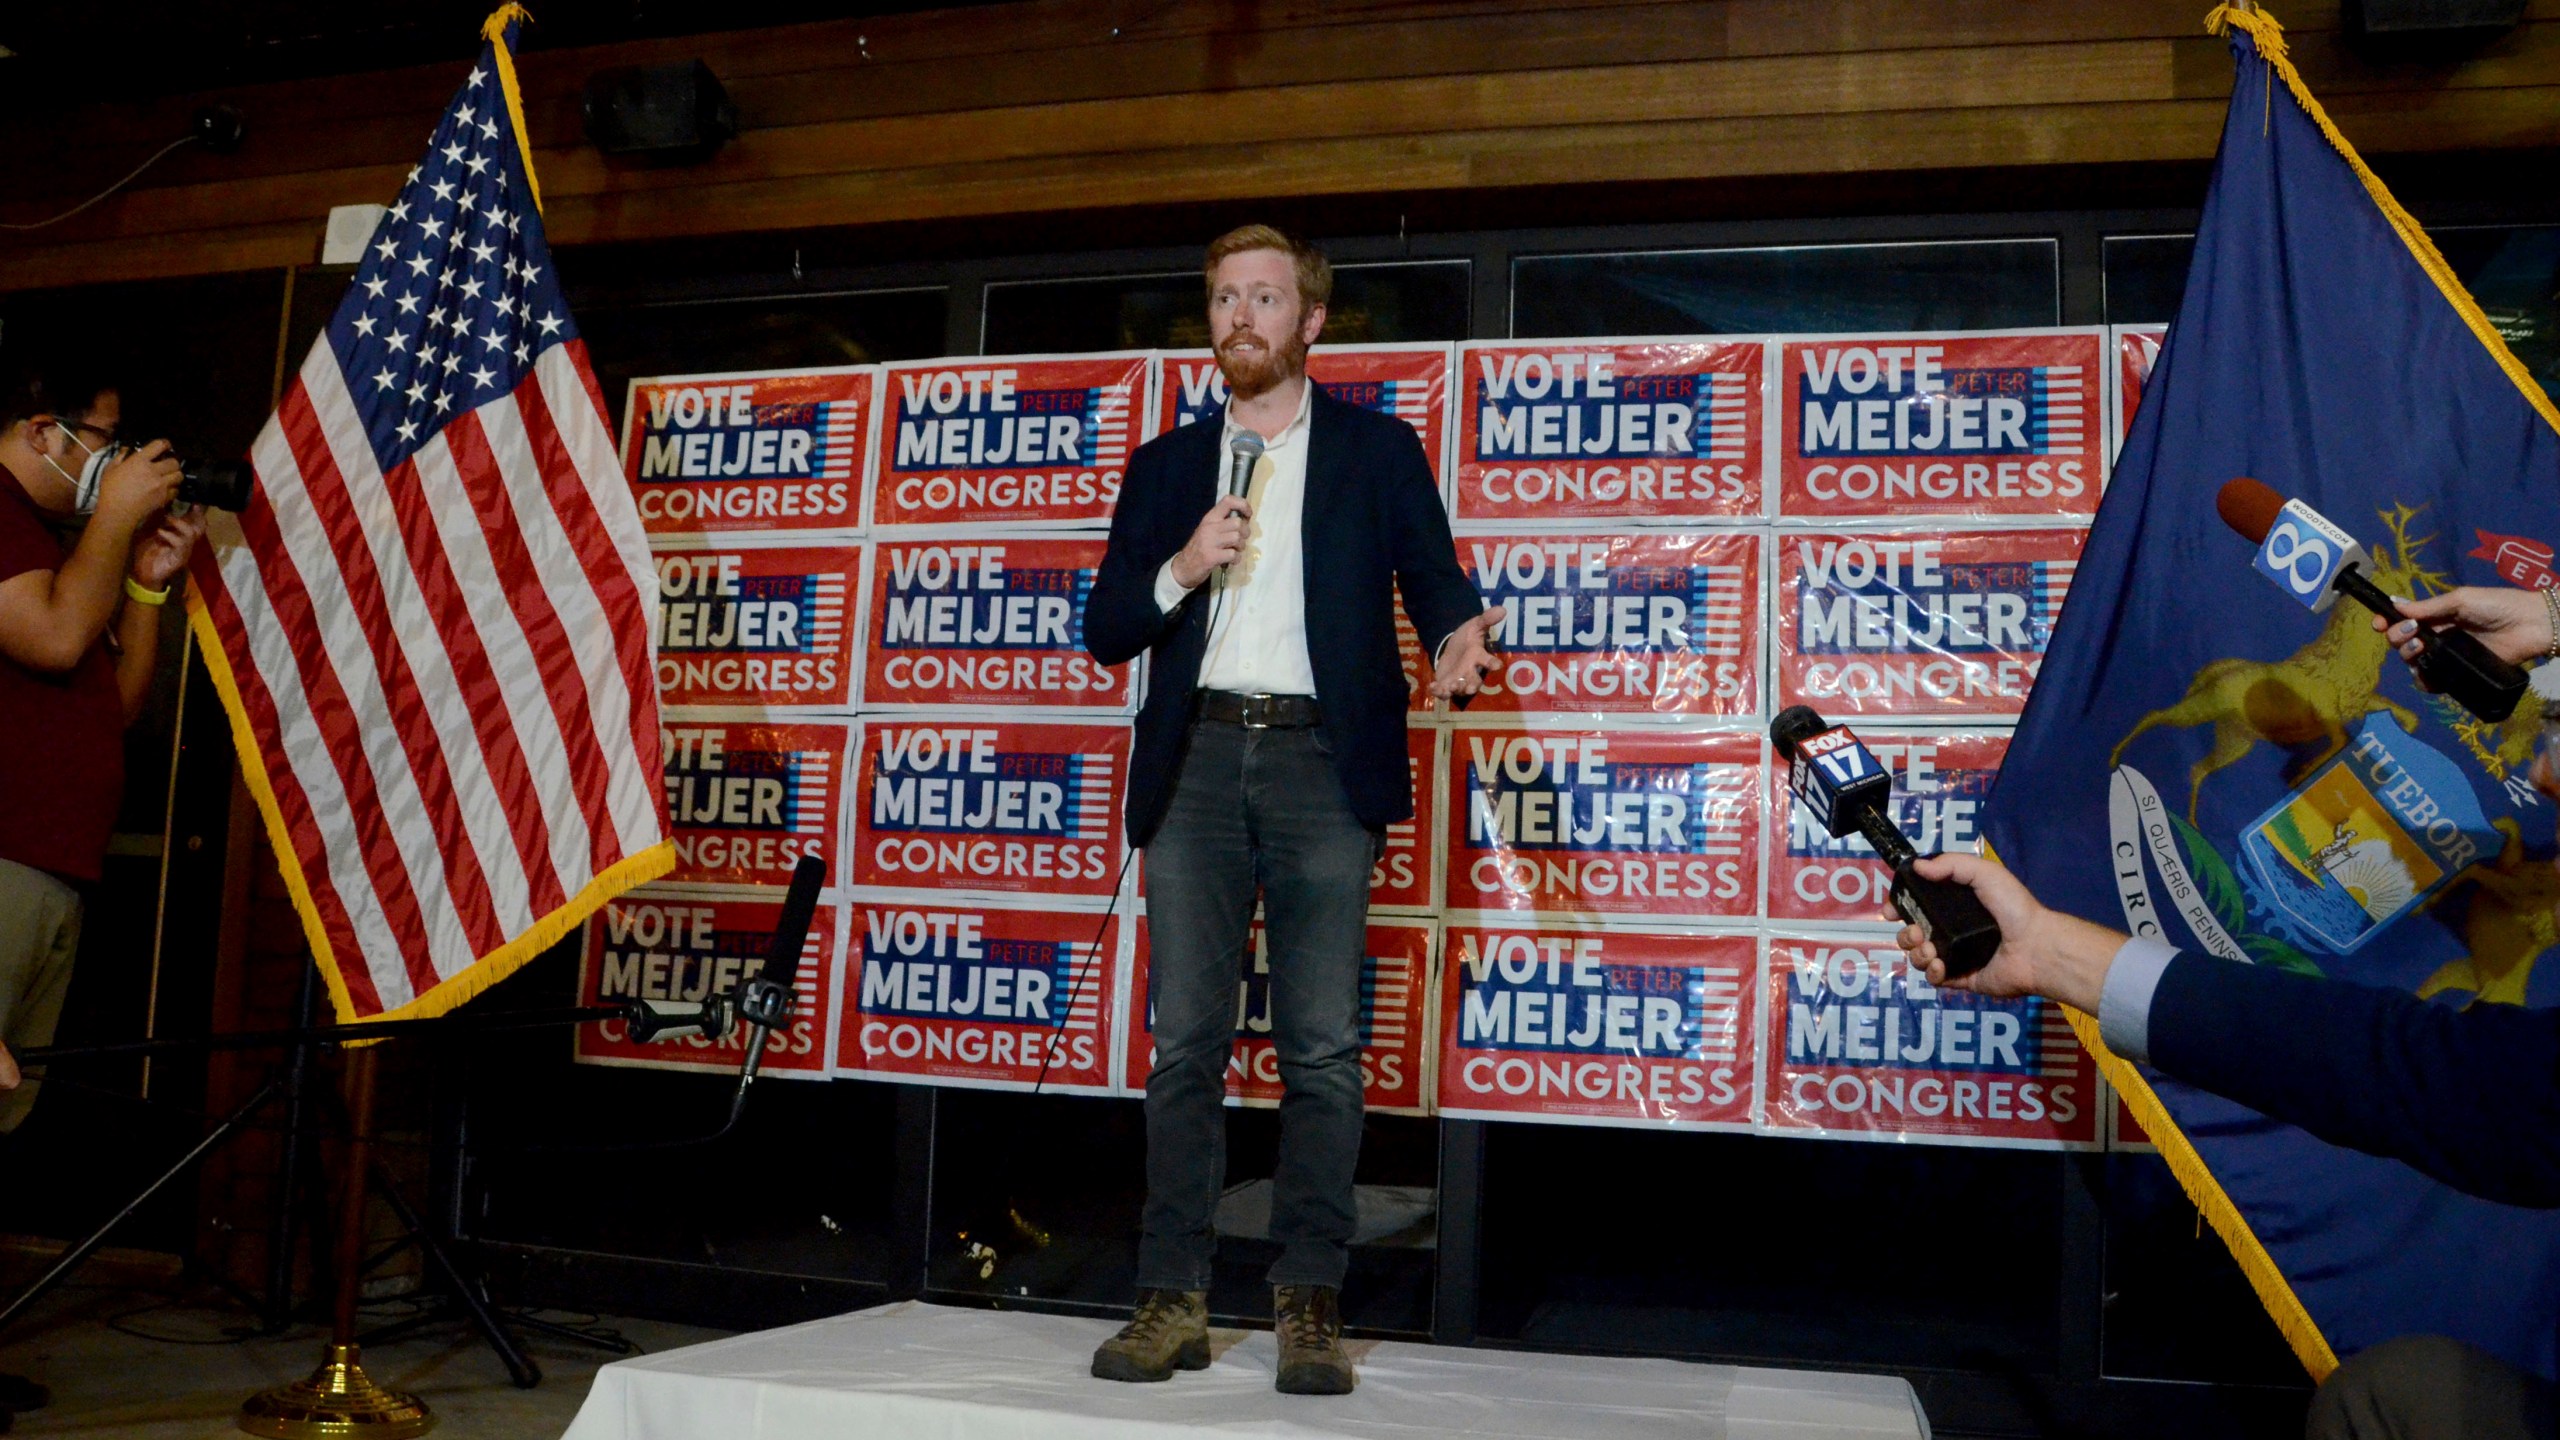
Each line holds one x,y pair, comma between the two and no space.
79,637
2470,1097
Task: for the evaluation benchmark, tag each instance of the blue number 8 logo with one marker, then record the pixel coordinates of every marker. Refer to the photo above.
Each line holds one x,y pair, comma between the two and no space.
2303,558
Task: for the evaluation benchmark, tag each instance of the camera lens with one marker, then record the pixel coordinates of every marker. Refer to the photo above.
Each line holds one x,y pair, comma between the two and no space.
222,484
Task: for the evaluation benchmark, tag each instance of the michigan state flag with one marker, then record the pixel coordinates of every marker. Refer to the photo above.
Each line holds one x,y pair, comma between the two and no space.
2264,783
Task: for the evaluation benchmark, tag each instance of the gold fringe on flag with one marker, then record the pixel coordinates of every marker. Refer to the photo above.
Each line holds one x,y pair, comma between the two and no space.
494,30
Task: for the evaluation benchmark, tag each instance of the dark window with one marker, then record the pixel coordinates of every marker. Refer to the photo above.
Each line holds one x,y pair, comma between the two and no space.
2146,275
1953,285
1419,300
779,332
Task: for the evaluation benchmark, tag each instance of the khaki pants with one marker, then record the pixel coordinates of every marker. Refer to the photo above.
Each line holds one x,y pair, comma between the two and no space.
39,933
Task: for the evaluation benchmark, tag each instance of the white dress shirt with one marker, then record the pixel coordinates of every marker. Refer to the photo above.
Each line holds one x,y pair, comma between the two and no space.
1258,634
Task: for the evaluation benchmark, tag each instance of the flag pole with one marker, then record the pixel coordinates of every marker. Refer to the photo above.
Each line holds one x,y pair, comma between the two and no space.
339,1399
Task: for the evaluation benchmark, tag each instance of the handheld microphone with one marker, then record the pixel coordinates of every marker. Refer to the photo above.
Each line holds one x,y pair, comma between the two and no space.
1242,451
1839,780
2314,562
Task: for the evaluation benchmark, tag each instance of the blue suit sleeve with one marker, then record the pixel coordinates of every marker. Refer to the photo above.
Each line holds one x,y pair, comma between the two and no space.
1121,617
2469,1097
1438,597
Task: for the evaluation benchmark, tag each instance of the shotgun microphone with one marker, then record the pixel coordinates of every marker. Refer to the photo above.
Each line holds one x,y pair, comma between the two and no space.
2314,561
1839,780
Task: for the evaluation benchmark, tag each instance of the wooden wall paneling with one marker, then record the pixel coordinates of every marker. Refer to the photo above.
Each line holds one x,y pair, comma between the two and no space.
1038,108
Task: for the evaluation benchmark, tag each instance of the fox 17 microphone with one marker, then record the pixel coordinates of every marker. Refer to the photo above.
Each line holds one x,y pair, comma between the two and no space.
1838,779
2315,562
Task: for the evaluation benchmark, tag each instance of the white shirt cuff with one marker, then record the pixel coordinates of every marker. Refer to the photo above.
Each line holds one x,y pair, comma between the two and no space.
1169,591
2124,1002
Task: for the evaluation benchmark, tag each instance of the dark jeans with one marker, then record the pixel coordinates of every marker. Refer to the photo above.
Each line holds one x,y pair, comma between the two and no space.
2426,1387
1255,810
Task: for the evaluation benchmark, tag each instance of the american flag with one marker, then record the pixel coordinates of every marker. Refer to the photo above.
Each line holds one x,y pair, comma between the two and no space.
432,625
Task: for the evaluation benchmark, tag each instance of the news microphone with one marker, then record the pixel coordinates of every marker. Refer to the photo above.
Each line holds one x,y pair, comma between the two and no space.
1839,780
765,1001
2315,562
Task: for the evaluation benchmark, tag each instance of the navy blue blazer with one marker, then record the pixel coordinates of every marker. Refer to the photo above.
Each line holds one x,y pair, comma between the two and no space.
2469,1097
1373,525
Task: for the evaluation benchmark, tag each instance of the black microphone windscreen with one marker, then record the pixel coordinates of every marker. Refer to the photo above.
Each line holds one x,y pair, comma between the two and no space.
791,932
1793,726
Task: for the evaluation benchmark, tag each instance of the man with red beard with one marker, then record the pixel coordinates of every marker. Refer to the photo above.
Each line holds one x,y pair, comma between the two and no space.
1268,761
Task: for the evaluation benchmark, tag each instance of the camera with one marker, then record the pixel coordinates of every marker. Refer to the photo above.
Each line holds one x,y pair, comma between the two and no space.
222,484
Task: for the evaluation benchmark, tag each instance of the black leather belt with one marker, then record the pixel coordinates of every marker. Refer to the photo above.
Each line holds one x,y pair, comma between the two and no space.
1260,712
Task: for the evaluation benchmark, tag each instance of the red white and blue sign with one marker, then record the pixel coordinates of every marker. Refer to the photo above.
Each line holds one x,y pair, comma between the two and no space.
1605,822
1939,780
1635,622
1914,624
2137,349
1857,1045
756,627
1037,441
987,620
1395,1010
1401,880
647,945
1591,1026
748,799
989,804
780,451
1986,425
1408,381
1611,429
955,992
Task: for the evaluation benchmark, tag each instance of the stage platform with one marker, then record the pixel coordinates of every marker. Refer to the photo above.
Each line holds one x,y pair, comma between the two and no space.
929,1372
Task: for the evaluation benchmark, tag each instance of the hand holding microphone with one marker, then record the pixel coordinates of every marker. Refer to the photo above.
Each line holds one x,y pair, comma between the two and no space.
2315,562
1222,533
1840,781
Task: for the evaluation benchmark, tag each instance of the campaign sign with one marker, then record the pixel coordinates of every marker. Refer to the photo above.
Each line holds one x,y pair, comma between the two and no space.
987,621
1939,781
646,945
962,993
2137,350
1401,880
1409,381
1856,1044
1622,822
754,627
1966,425
1633,623
1395,1049
1590,1026
1915,624
989,805
1035,440
777,452
748,800
1610,429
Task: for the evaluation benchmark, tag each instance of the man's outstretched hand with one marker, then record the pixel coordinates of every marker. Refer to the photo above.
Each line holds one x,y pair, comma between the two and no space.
1467,656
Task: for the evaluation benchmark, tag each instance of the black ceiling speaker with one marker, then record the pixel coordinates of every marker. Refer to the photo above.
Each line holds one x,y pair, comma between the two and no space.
670,114
2422,30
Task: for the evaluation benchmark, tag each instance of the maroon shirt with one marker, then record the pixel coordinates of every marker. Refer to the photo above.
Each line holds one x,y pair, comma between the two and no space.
61,736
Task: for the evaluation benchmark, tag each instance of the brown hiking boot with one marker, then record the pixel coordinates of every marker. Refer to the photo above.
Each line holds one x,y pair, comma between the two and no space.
1170,1332
1309,1321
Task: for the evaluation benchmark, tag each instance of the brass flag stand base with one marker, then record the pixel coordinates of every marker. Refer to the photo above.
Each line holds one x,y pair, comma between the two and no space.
335,1400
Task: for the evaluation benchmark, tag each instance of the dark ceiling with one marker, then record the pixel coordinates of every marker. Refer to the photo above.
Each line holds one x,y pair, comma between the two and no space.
164,46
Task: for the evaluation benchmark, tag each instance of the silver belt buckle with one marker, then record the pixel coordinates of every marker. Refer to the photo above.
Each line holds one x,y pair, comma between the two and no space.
1255,712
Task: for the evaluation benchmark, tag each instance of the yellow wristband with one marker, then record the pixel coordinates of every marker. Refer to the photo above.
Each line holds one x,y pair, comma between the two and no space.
134,589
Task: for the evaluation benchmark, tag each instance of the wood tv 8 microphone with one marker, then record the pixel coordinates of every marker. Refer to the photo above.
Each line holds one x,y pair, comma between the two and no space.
1840,782
2315,562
